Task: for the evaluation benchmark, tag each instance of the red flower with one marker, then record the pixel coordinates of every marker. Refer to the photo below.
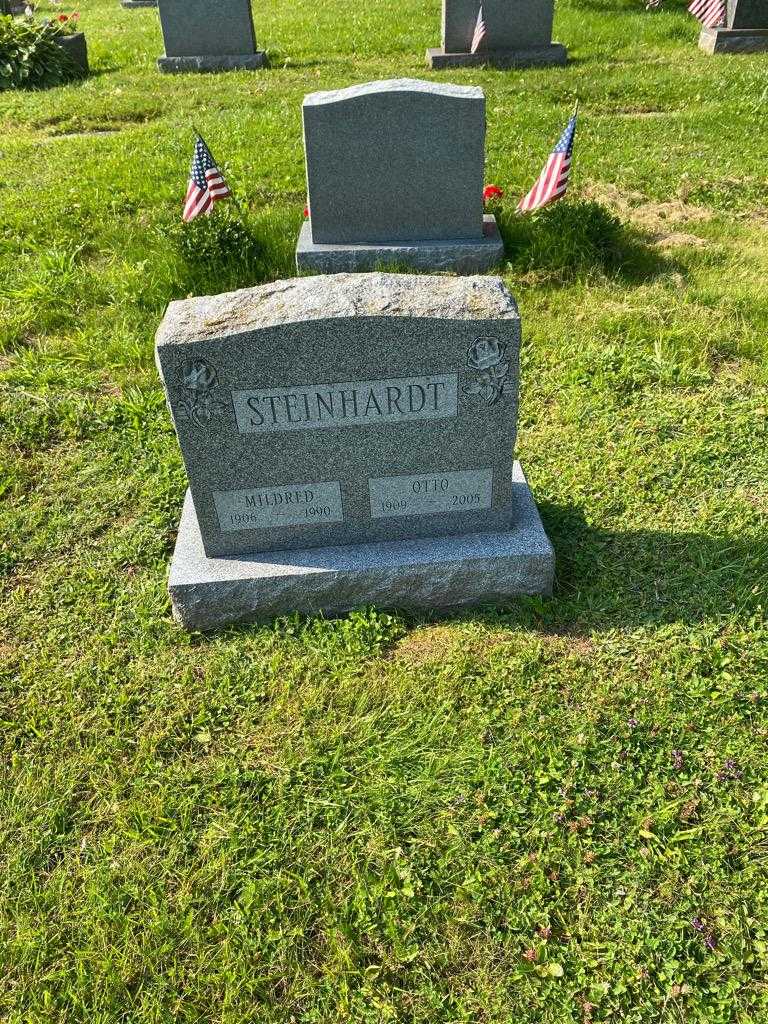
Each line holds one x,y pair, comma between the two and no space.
63,17
492,192
306,211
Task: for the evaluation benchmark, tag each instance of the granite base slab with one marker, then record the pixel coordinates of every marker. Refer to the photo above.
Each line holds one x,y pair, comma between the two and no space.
131,4
445,572
461,255
539,56
214,62
733,40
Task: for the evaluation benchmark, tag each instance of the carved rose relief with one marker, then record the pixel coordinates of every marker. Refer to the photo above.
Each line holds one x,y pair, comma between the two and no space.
197,403
486,355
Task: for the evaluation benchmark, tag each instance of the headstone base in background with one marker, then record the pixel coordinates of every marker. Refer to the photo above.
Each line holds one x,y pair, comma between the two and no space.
442,572
76,49
463,256
208,35
733,40
539,56
214,62
130,4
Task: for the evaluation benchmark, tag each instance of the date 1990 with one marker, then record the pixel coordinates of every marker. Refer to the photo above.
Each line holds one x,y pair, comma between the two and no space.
256,519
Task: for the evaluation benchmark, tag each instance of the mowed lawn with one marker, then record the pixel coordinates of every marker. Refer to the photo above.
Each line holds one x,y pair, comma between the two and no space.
551,812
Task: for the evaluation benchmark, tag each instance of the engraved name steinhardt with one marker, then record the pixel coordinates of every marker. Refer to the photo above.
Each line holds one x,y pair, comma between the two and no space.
197,402
487,356
351,403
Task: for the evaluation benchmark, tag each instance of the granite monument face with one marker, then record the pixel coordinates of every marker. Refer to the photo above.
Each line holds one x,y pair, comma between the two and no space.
208,35
348,439
518,34
395,174
745,29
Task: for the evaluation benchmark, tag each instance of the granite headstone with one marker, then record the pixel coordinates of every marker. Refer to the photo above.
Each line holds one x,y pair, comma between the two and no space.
745,29
348,439
518,34
395,175
208,35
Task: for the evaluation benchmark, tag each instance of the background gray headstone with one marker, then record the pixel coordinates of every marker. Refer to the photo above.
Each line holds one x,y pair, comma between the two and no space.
344,409
193,28
747,14
395,161
510,24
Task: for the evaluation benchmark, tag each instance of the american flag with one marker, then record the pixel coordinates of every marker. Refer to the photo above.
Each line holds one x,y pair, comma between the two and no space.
480,32
206,183
552,183
710,13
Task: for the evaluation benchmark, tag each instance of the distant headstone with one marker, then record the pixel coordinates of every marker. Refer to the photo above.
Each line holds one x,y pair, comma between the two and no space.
130,4
395,175
349,439
208,35
745,29
76,48
518,34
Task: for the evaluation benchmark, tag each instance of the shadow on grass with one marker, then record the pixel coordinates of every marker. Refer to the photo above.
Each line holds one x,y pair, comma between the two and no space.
279,61
614,7
628,579
635,578
574,239
606,580
104,66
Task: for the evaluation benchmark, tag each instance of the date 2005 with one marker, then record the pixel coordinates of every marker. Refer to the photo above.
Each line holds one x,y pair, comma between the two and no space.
457,501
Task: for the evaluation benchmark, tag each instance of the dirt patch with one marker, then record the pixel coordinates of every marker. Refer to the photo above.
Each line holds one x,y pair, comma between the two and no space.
659,219
437,643
677,238
564,642
629,112
428,643
637,208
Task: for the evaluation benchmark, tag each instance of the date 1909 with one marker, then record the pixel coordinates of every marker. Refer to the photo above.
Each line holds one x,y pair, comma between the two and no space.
425,495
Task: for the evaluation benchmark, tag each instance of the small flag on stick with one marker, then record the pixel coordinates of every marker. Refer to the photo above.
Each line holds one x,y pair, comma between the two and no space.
552,183
206,183
480,32
710,13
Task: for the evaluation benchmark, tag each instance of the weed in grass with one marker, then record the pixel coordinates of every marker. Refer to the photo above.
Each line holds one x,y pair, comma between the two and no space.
212,243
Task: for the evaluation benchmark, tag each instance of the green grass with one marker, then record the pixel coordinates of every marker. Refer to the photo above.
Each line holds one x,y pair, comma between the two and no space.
508,816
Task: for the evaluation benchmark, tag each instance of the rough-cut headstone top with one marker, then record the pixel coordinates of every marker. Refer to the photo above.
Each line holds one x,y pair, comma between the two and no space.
207,28
510,24
344,409
339,295
413,85
395,161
